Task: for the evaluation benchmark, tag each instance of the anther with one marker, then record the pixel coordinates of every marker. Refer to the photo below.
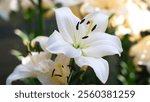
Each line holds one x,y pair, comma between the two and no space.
85,37
53,72
77,26
62,66
82,21
58,75
94,27
88,22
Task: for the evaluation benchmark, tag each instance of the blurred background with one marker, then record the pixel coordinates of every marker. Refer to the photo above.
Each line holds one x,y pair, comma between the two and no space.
128,19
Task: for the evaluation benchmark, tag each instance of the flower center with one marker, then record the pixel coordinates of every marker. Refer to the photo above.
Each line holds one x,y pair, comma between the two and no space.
79,40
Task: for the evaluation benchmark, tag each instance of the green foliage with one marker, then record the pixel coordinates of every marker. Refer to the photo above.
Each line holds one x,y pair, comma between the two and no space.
128,73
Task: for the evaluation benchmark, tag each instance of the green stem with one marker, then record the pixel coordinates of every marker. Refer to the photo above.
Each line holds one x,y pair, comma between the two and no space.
40,19
71,69
29,25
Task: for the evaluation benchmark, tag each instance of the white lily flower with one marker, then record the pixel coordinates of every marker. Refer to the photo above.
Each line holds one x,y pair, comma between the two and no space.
84,40
39,65
59,73
30,67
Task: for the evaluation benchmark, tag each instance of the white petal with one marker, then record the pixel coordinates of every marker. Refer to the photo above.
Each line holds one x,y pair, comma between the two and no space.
46,79
35,58
57,45
99,19
100,51
66,22
102,44
21,72
100,66
44,66
61,58
42,40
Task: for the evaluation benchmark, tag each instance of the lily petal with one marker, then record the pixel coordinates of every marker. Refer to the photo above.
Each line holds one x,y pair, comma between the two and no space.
57,45
66,22
99,19
61,58
21,72
45,79
102,44
100,51
100,66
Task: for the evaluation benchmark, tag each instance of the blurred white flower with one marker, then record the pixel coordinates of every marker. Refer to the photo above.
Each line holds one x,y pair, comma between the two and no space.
25,4
6,6
50,5
106,6
40,66
68,2
84,40
130,16
143,4
148,2
140,52
137,18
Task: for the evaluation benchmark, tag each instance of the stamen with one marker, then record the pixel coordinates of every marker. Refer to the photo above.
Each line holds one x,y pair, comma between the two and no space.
58,75
94,28
53,72
85,37
62,66
82,21
88,22
90,26
77,26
